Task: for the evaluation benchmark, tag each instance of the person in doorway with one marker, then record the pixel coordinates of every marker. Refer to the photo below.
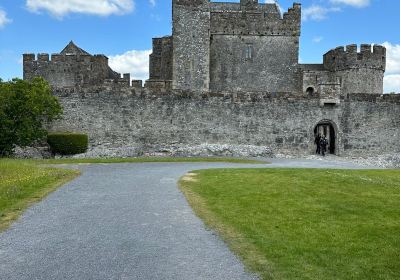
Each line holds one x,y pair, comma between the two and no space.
323,145
317,142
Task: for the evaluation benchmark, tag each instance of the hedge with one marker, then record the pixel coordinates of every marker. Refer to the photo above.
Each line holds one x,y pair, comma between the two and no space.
66,143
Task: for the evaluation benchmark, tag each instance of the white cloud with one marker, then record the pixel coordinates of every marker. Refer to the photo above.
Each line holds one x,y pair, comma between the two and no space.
3,18
134,62
354,3
317,13
60,8
392,77
391,83
318,39
152,3
392,58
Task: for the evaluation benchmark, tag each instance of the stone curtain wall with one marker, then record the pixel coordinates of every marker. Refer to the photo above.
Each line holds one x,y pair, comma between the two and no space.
243,124
371,124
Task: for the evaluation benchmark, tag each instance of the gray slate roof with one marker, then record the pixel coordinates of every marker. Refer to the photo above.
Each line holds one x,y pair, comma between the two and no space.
72,49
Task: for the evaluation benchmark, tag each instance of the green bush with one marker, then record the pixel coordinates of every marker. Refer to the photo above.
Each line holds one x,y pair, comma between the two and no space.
25,108
66,143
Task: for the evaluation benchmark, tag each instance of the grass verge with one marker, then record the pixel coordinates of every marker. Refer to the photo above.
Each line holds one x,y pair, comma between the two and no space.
304,224
23,183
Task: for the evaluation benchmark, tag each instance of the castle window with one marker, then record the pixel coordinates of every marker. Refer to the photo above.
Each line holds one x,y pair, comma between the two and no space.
249,52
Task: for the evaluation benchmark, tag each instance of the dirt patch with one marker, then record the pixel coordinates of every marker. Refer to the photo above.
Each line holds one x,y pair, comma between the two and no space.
190,177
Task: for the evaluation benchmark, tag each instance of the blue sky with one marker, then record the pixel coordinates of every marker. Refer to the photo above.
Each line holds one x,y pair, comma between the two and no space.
123,29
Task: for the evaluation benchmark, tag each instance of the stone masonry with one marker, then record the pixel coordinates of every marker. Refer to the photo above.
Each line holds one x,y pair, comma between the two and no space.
227,82
251,47
71,67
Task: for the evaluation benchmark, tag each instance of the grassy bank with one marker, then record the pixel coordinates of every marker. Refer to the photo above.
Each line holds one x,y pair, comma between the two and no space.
23,183
304,224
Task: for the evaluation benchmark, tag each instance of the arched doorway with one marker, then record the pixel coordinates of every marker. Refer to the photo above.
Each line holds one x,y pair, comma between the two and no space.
310,91
327,128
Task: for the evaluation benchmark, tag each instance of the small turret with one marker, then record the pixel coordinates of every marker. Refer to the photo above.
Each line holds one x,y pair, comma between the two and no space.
360,72
343,59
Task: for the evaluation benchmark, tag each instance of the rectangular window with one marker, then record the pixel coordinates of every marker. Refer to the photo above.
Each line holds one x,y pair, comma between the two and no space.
249,52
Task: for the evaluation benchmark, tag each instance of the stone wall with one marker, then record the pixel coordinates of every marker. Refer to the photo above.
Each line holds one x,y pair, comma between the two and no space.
160,67
254,63
68,70
151,122
191,44
255,19
360,72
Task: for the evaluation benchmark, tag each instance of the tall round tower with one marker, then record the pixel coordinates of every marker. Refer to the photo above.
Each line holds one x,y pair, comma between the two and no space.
360,72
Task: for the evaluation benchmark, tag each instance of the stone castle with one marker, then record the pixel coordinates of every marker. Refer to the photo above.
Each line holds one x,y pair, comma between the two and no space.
228,81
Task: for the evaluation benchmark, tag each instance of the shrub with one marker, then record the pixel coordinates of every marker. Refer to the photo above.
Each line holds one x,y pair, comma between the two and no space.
25,108
66,143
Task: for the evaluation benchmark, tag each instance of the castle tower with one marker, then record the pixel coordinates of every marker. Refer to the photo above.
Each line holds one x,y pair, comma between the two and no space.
360,72
191,44
71,67
253,47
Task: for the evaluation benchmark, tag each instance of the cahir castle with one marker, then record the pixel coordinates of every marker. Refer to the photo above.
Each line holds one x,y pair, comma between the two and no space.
227,82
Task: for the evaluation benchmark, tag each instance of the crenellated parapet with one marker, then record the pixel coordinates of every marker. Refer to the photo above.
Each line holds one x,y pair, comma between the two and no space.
263,20
369,57
360,71
190,3
72,67
56,57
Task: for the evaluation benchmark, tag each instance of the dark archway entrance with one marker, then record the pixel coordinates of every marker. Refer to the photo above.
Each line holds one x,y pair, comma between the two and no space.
310,91
327,129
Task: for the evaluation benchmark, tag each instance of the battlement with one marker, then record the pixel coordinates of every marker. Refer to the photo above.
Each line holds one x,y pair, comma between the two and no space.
71,67
263,20
293,13
345,58
56,57
190,3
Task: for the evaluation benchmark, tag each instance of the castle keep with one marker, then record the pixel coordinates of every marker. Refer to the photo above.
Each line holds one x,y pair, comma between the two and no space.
250,47
228,81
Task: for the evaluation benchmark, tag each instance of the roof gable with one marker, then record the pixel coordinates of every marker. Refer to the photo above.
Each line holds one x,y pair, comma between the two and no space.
72,49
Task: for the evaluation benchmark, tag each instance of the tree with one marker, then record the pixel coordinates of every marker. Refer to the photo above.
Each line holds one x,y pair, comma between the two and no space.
25,107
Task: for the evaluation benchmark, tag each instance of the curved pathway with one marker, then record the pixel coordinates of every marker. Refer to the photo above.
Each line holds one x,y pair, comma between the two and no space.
122,221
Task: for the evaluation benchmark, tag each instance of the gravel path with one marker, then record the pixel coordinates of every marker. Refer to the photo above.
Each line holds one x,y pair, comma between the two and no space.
122,221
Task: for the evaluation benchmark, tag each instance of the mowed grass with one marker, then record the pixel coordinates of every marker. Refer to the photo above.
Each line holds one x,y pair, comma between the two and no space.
304,224
23,183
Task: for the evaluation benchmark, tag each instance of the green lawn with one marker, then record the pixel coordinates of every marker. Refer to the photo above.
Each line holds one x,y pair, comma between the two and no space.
304,224
23,183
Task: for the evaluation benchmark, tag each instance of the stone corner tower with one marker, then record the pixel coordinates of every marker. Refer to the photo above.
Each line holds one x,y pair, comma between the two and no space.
191,44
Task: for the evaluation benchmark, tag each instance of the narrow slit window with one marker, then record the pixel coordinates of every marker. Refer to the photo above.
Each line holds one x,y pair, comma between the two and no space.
249,52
